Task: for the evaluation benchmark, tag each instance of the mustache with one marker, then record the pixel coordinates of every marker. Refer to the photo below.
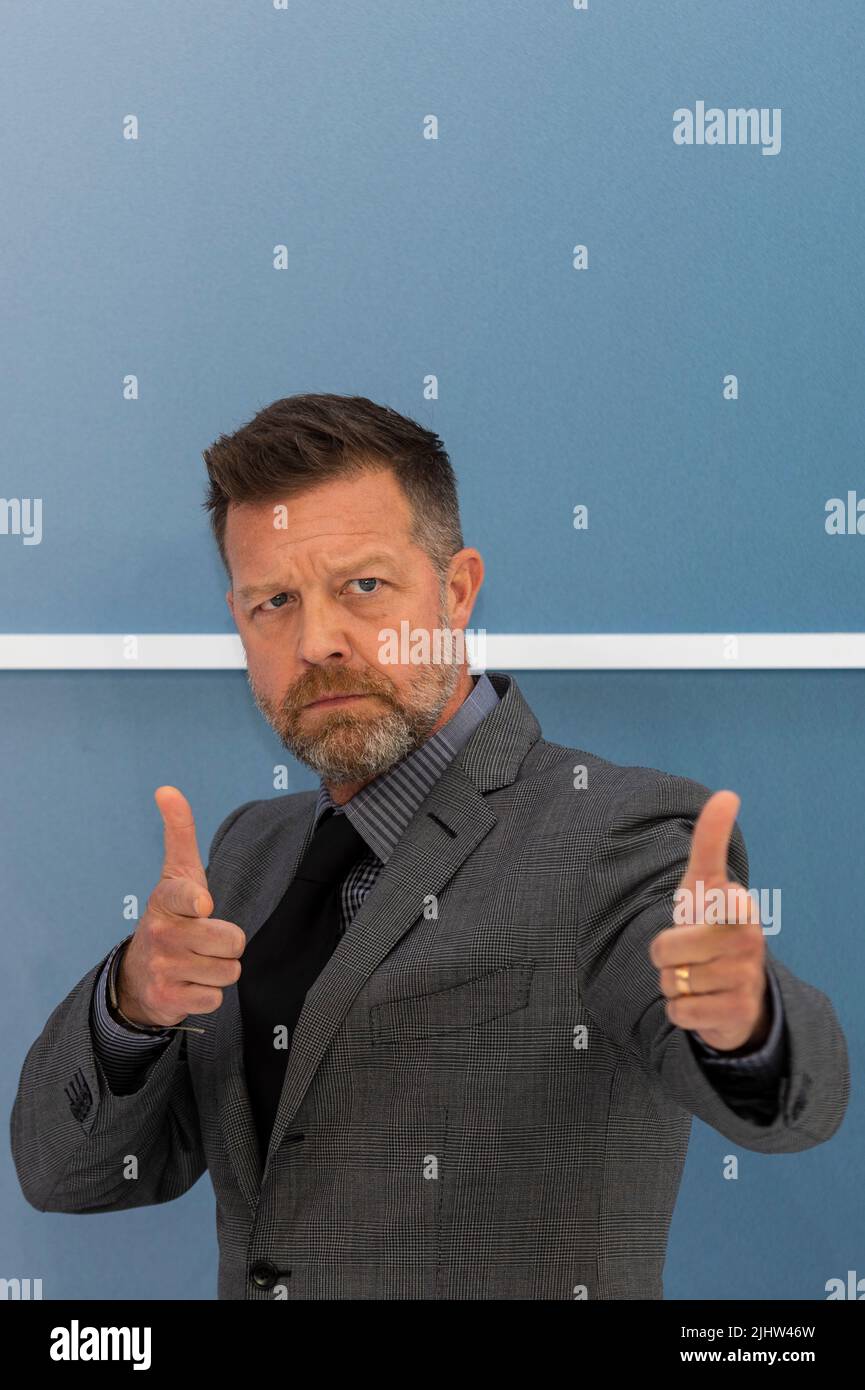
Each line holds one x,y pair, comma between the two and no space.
317,687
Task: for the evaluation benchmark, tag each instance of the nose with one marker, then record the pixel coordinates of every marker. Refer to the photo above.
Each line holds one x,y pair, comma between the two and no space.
321,634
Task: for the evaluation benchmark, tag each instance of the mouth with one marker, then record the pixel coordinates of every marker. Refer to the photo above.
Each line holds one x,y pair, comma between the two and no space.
333,700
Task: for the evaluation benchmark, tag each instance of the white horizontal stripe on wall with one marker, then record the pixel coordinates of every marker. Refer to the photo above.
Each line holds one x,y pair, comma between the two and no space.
517,651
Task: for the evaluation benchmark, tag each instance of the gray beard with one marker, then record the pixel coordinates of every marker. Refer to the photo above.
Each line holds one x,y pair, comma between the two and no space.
347,748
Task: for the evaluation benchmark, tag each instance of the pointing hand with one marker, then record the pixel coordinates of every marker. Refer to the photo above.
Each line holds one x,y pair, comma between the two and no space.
712,967
180,958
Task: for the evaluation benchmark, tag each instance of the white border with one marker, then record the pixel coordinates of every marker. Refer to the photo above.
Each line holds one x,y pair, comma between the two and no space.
504,651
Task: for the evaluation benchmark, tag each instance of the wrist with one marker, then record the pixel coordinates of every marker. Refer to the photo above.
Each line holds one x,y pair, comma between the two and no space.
118,1005
118,1013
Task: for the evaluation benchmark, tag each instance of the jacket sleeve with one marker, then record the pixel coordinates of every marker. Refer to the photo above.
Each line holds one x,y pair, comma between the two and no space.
638,861
78,1147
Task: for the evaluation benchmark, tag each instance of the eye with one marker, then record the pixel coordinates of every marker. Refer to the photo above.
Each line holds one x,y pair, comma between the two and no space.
278,600
367,581
271,605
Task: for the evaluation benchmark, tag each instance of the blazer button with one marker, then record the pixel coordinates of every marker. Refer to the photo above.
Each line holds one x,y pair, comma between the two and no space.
265,1274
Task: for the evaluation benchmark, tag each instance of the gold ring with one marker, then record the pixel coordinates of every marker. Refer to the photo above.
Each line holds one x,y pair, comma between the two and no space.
683,973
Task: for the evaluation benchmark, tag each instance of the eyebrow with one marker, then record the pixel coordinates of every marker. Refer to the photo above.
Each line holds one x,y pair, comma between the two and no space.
251,591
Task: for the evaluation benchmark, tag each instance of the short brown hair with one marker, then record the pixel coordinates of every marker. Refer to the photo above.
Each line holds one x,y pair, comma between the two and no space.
300,442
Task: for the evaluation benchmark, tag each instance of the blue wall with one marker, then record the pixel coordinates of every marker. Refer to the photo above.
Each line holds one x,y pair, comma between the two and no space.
410,257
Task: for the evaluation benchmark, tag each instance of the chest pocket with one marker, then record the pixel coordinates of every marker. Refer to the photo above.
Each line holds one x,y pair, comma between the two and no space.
446,1010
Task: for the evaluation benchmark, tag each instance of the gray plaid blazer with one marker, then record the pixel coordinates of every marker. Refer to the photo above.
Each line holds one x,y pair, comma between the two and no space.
484,1097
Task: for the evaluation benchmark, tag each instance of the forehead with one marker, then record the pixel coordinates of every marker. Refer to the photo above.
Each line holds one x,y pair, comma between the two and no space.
341,518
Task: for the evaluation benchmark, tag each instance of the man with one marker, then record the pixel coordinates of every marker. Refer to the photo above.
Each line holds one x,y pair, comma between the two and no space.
438,1029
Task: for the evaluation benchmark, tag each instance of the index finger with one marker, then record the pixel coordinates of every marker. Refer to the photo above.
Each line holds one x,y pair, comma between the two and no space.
182,858
710,842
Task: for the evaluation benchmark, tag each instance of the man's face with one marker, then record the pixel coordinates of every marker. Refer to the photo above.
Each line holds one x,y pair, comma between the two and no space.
314,583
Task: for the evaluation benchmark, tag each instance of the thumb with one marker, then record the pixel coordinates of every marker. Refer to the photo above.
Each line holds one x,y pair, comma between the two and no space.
182,859
710,842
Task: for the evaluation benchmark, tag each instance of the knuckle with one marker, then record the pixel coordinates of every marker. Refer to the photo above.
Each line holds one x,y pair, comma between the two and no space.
157,928
206,935
230,938
158,969
158,992
156,902
219,941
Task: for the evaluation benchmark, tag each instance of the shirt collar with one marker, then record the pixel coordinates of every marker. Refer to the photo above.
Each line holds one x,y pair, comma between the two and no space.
382,809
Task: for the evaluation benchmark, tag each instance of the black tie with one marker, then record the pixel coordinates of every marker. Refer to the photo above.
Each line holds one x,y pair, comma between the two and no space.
284,958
